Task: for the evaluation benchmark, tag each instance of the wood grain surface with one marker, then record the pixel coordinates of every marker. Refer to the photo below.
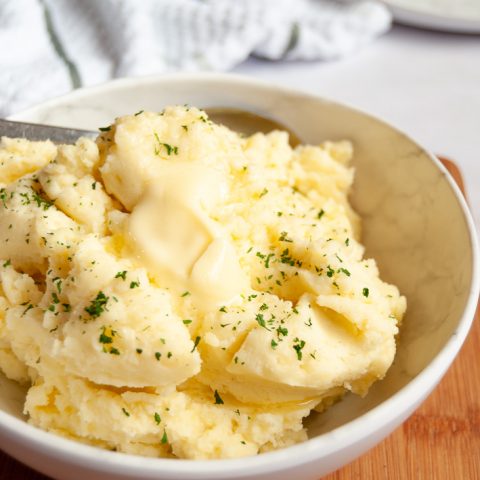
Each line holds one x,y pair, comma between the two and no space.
440,441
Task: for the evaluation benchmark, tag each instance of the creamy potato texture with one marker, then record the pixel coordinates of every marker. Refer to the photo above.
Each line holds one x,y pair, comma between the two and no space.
175,289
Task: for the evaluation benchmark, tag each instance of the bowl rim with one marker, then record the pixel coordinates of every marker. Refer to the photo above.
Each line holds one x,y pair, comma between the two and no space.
344,436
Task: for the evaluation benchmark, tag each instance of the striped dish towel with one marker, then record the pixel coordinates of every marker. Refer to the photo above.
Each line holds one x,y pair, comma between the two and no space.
52,46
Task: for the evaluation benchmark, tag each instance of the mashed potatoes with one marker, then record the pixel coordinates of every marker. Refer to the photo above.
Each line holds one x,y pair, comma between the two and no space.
177,290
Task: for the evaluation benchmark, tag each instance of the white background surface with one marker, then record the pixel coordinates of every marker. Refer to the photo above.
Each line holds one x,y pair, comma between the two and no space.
425,83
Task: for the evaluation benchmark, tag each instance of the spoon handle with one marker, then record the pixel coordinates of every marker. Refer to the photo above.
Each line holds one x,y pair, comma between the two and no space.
32,131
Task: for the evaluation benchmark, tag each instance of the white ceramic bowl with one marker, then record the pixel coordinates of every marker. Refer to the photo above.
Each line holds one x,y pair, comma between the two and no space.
416,225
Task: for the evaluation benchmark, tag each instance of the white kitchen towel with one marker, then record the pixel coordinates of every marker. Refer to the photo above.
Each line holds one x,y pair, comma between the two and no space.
48,47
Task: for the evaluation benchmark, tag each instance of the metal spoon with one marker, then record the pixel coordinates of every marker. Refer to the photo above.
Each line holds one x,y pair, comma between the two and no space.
238,120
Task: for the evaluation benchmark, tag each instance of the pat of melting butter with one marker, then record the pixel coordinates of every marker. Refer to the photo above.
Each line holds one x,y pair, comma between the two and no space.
177,290
171,231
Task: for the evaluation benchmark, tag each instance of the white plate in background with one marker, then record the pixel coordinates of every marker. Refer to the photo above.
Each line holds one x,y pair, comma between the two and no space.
461,16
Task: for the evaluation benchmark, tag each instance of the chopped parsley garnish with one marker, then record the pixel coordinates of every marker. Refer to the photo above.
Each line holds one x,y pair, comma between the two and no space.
218,398
94,185
347,242
320,214
195,343
298,346
138,113
330,271
263,306
158,355
223,309
284,237
263,192
121,275
282,331
186,322
3,197
134,284
273,344
7,263
114,351
185,127
66,307
169,148
105,129
58,283
97,305
267,260
104,338
41,202
164,438
286,258
185,294
125,412
365,292
139,350
157,418
345,271
261,320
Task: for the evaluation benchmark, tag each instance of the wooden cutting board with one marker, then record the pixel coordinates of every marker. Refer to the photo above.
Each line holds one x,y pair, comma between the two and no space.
440,441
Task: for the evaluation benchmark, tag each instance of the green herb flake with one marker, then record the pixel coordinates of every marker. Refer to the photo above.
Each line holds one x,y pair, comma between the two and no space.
330,271
185,294
97,305
104,338
158,356
273,344
7,263
261,320
218,398
186,322
267,260
195,343
284,237
139,351
134,284
320,214
347,242
127,414
345,271
223,309
105,129
263,192
164,438
365,292
157,418
298,346
169,148
114,351
282,331
121,274
138,113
